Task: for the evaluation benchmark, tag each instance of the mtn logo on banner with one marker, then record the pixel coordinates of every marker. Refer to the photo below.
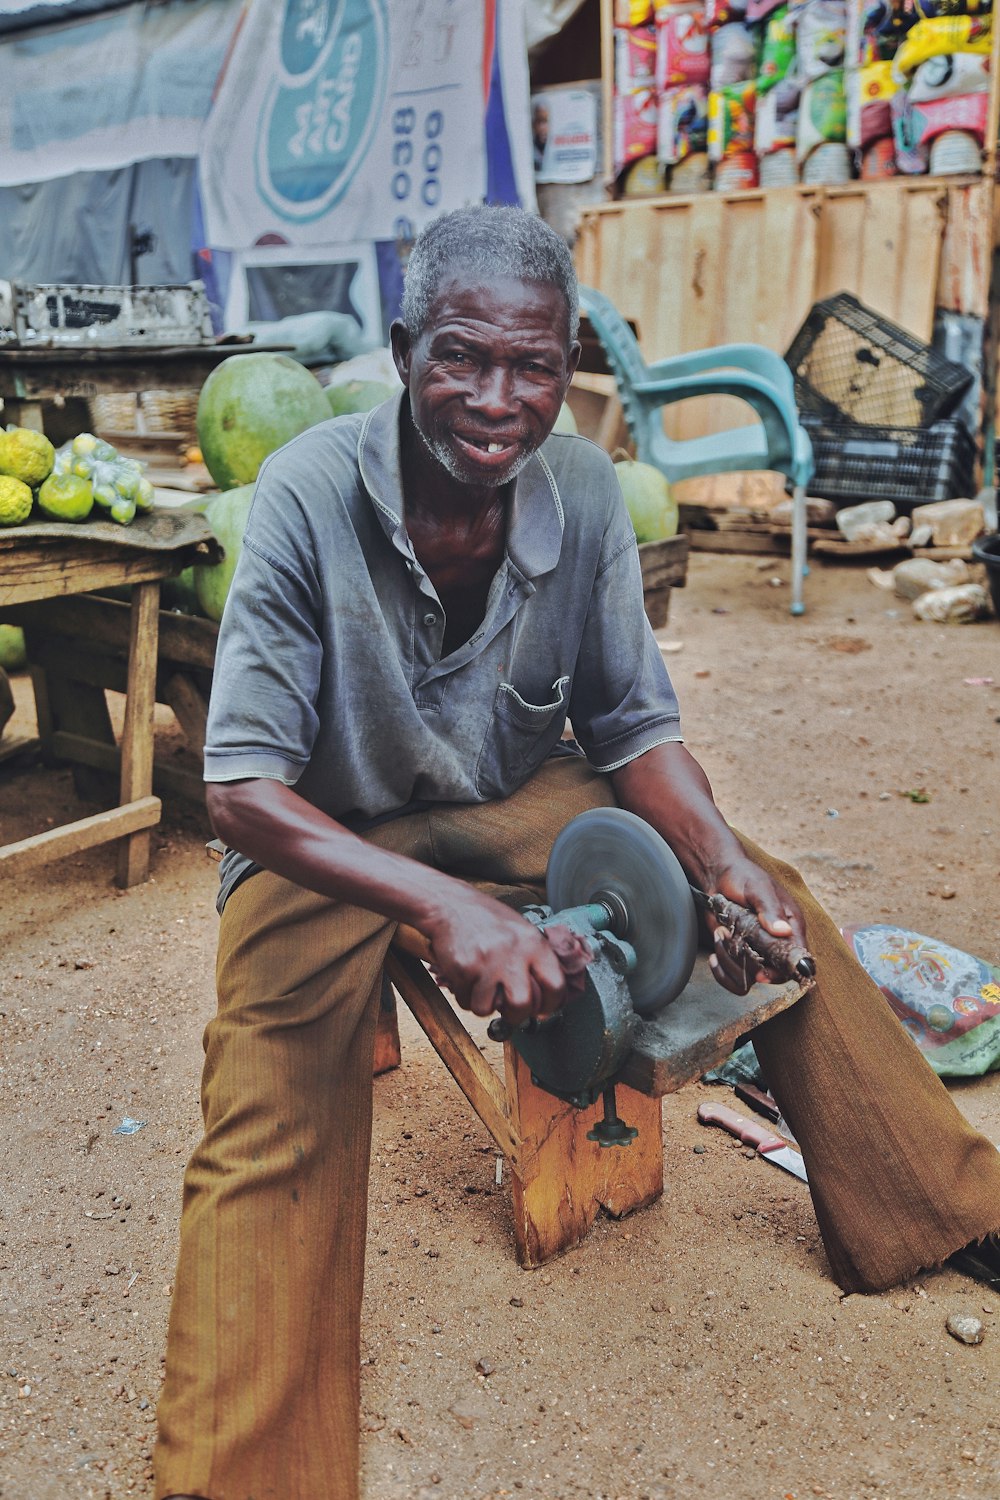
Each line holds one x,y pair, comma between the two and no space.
323,105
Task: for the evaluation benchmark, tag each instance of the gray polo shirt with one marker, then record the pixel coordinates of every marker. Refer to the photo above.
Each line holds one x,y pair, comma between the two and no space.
329,675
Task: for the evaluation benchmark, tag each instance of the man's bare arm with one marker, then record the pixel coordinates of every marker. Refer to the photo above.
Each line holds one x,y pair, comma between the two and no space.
486,954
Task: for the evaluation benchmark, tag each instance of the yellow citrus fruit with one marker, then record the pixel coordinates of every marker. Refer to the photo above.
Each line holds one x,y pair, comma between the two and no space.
15,501
26,455
65,497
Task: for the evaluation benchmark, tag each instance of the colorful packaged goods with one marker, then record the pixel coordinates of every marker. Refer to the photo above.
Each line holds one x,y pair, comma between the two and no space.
731,120
821,37
635,58
681,46
635,118
635,107
817,90
759,10
776,122
633,12
683,124
720,13
938,37
869,104
822,114
949,76
778,54
916,128
734,56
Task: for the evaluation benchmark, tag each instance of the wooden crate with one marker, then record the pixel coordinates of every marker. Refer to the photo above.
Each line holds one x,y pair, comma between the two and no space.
664,567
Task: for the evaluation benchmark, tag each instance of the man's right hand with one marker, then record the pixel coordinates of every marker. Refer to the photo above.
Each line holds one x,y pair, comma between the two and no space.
492,959
489,956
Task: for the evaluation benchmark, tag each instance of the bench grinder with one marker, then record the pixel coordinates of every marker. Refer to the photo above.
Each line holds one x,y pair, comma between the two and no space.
613,880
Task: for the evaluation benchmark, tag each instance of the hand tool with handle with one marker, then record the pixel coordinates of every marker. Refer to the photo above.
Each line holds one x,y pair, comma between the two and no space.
768,1145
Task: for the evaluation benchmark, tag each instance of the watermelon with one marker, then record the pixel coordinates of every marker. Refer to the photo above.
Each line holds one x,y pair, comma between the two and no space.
250,405
650,504
227,515
358,395
565,422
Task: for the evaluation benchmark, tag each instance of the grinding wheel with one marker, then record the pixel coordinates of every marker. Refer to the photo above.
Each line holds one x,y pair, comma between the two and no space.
609,855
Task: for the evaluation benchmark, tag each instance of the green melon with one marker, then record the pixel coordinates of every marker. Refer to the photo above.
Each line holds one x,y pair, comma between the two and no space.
358,395
565,422
650,504
250,405
227,515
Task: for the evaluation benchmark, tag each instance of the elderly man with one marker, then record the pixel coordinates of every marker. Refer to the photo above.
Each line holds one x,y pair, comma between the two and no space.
424,596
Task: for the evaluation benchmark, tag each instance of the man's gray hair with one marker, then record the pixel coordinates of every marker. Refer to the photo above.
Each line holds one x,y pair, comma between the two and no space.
484,242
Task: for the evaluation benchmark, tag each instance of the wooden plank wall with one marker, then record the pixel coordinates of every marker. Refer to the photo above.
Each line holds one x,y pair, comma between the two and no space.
695,272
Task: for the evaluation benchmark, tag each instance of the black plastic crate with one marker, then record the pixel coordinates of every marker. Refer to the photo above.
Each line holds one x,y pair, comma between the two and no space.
909,465
852,364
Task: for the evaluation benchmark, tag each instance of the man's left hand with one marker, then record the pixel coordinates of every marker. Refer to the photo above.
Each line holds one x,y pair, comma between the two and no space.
746,884
668,788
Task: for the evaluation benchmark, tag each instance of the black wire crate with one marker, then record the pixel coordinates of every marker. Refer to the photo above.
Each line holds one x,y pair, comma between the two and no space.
908,465
850,363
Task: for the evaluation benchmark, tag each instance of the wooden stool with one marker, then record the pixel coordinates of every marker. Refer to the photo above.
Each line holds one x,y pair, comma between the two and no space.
560,1179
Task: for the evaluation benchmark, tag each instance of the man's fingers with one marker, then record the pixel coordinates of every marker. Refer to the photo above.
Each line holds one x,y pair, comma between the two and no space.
730,975
736,971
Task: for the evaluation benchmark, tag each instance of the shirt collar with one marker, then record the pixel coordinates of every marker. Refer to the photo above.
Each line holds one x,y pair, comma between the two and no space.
534,536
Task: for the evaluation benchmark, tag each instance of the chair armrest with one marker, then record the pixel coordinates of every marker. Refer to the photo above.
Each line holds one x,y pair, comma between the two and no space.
753,358
778,415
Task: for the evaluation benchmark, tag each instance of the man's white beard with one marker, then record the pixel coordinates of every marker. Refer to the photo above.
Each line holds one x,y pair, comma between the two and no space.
452,463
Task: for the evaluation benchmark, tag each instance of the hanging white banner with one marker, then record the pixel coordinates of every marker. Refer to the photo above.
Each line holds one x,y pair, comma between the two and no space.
341,120
111,89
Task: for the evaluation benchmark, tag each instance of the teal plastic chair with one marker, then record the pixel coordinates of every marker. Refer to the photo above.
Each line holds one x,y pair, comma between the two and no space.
756,375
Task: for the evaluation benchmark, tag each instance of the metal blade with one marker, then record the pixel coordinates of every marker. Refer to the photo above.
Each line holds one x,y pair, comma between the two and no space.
784,1156
610,853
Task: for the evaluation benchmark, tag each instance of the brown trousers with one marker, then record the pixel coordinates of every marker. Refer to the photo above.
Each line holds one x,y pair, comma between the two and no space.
262,1391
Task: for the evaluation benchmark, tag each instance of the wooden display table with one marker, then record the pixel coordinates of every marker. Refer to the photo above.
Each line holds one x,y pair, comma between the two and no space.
32,378
81,646
49,561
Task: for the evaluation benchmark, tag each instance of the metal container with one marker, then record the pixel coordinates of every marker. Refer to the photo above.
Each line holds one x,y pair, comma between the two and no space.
96,317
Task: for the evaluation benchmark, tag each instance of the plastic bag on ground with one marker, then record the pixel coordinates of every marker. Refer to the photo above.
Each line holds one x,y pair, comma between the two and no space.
948,1001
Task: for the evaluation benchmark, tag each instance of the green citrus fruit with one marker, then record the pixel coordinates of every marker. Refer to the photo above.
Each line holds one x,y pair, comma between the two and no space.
13,656
15,501
66,497
26,455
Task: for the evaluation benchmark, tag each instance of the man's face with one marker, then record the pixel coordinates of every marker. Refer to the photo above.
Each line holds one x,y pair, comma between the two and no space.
488,375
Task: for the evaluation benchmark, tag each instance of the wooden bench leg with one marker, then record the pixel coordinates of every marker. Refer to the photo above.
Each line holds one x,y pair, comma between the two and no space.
562,1180
387,1053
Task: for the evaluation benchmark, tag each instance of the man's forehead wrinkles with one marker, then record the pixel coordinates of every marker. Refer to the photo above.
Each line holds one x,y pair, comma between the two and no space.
523,332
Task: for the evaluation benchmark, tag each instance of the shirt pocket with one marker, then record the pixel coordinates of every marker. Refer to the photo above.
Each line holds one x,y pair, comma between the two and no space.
519,737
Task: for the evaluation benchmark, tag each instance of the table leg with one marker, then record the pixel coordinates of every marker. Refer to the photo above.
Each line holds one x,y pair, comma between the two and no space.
25,414
137,737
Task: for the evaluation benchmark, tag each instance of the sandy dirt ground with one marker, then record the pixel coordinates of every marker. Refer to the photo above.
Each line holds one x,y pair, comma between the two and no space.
696,1348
